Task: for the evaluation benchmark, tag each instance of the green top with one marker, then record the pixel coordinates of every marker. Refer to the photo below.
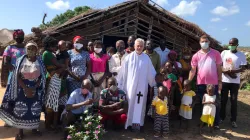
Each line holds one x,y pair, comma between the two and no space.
172,77
47,60
155,59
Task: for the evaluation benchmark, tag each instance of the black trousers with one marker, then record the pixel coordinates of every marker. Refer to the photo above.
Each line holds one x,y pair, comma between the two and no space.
233,89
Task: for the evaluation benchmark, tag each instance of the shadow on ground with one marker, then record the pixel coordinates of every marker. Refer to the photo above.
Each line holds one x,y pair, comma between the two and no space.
226,132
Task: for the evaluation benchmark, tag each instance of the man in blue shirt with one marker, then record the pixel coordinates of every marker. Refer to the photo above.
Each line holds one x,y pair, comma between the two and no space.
78,102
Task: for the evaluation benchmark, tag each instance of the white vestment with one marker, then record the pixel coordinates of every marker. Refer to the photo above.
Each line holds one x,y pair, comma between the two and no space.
136,73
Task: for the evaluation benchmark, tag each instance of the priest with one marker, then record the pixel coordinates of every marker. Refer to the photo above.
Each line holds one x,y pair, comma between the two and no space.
136,74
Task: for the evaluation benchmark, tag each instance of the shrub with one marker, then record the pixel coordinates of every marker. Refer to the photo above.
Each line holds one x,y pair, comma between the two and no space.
89,128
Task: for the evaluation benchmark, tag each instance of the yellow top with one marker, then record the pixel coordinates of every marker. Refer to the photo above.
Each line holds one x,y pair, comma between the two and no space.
161,106
189,93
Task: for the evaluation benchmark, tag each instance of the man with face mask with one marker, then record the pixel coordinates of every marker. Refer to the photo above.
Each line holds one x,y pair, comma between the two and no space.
116,60
234,62
131,43
153,55
208,62
113,104
78,102
163,52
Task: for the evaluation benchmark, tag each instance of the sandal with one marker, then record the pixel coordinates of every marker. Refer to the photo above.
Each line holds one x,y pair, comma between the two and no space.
156,135
165,135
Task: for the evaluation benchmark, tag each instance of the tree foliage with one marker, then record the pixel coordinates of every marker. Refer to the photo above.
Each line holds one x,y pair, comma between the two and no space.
62,18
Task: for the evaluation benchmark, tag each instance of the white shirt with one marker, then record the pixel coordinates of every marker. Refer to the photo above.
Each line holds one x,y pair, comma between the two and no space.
232,61
115,62
163,54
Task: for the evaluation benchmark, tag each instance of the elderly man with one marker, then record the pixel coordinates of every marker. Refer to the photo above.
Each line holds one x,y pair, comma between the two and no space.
115,62
136,73
78,102
234,62
208,62
113,104
131,43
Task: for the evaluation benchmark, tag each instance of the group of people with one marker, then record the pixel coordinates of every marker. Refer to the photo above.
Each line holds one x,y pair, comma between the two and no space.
139,80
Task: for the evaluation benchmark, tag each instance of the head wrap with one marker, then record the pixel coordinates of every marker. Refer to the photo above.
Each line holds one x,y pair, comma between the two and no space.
172,52
18,32
31,44
76,37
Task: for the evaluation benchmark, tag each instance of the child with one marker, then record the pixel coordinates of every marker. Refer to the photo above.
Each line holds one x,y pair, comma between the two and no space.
209,108
159,78
173,88
187,103
161,122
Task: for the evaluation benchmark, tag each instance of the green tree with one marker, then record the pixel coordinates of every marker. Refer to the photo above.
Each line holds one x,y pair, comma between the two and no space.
62,18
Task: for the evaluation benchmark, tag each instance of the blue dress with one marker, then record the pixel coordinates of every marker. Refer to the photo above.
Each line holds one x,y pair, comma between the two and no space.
17,110
78,66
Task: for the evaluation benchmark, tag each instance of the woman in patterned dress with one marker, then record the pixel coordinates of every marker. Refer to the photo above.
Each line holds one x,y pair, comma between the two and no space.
22,104
53,87
79,65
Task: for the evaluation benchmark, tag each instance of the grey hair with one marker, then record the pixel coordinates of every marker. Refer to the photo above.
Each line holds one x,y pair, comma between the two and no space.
141,41
86,81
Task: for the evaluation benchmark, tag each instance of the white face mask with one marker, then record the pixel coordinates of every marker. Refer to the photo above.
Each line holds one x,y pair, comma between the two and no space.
98,50
204,45
78,46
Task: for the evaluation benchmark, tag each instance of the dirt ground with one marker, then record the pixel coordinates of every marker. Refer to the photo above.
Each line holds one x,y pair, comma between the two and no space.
226,132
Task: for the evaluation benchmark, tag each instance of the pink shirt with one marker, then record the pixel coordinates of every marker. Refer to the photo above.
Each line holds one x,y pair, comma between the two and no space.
206,65
98,64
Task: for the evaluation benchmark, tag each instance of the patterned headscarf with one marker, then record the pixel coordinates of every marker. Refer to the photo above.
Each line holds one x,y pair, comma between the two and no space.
18,32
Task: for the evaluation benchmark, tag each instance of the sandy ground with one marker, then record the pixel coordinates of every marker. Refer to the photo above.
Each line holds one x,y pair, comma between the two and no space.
225,133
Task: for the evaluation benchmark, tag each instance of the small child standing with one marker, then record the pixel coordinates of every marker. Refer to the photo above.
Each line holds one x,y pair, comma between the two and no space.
160,105
209,108
159,78
187,103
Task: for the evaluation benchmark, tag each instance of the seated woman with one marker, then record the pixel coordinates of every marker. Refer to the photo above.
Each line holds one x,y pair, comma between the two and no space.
22,104
99,69
113,104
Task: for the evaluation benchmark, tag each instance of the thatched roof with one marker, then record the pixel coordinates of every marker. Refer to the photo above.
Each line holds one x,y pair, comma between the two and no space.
5,35
36,36
177,22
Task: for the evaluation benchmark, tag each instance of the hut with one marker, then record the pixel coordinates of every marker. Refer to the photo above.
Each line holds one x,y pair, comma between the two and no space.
142,18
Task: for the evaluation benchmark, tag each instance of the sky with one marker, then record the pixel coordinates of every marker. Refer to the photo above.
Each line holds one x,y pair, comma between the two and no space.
222,19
